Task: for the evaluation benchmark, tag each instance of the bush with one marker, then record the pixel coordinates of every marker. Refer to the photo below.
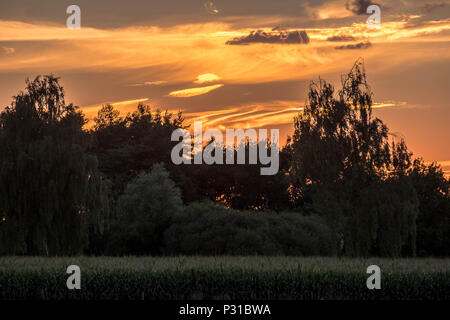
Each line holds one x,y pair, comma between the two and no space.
302,235
208,229
144,212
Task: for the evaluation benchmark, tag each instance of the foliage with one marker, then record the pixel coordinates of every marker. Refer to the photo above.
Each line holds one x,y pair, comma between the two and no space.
344,167
433,222
240,186
208,229
128,145
144,212
51,192
336,137
341,177
247,278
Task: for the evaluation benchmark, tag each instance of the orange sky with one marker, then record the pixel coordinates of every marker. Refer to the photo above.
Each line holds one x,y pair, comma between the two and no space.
174,55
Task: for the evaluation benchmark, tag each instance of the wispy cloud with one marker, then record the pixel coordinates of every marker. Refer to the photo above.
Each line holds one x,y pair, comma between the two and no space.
8,50
207,78
255,115
148,83
127,102
192,92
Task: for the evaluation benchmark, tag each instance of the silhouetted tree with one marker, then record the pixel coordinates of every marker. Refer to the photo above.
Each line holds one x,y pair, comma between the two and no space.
433,222
342,166
339,176
51,192
241,186
107,117
144,211
128,145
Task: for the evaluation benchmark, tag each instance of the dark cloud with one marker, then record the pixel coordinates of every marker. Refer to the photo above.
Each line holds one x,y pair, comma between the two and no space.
361,45
120,13
429,7
359,6
341,38
282,37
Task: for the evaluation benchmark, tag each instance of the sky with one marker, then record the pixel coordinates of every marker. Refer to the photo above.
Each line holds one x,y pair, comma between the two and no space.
237,63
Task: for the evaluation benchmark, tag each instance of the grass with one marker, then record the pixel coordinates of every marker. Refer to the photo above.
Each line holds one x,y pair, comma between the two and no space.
166,278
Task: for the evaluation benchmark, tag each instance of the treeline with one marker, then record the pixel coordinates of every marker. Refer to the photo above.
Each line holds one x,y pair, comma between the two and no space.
151,219
345,184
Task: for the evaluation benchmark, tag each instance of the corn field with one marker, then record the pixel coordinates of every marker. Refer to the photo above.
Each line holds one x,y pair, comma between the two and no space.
223,278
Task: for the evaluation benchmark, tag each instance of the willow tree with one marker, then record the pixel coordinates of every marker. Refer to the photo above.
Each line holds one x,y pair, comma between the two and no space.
343,165
51,193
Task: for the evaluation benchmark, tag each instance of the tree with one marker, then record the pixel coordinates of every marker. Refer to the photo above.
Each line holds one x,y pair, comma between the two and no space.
107,116
433,222
337,137
242,186
128,145
144,212
51,192
344,168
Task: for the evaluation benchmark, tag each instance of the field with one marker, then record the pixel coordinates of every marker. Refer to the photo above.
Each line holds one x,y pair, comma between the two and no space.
167,278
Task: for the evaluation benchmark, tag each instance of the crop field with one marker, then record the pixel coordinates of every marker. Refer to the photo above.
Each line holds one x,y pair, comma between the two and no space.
223,278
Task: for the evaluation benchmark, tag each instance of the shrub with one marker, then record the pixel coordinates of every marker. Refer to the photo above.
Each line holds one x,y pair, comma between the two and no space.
208,229
144,212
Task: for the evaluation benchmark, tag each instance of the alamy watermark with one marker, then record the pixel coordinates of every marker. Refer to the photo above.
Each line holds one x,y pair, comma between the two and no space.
374,281
374,20
74,280
74,20
190,149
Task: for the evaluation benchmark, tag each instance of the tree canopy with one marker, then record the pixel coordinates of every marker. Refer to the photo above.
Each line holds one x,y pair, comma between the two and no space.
344,166
51,192
112,189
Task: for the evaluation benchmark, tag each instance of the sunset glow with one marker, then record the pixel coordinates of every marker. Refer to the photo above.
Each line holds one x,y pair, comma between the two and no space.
185,64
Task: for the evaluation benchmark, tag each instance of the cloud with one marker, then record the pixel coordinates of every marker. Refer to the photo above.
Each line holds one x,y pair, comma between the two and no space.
127,102
206,78
282,37
254,115
361,45
192,92
148,83
210,7
330,10
8,50
341,38
429,7
359,6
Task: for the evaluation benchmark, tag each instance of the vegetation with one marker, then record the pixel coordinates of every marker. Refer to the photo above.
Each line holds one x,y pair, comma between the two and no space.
144,211
344,166
345,185
208,229
223,278
51,192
